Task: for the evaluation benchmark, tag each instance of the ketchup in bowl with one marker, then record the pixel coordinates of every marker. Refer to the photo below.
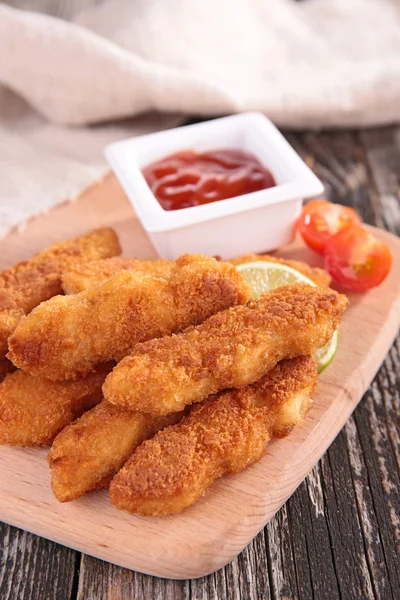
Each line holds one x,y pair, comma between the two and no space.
190,178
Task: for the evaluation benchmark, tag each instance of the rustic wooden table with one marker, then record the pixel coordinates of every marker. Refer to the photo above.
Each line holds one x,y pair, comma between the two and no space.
338,536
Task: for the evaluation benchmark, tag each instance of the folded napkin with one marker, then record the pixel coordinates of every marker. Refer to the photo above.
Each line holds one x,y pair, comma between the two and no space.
310,64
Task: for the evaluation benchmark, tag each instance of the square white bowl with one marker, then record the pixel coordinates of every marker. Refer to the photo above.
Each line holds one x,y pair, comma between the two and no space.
255,222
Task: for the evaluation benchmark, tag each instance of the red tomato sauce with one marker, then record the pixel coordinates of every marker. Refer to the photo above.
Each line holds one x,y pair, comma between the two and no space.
190,178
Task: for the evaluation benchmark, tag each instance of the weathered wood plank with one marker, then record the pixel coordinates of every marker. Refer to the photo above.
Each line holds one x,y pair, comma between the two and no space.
373,420
32,568
382,153
102,581
280,556
369,525
316,574
339,160
246,577
344,524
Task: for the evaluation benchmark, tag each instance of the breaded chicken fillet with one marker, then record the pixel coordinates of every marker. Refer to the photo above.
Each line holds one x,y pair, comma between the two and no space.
24,285
68,335
224,434
34,410
82,276
87,453
233,348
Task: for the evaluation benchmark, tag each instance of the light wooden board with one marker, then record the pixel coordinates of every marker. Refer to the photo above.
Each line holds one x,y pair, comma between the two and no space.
208,535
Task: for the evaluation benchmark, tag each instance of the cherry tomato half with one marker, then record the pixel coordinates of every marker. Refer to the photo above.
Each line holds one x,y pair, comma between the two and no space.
320,220
356,259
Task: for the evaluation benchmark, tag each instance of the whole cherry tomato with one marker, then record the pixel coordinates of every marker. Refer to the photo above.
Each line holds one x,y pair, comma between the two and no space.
320,220
356,259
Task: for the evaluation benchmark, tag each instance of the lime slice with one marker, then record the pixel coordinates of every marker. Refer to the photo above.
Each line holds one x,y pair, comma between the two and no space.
263,276
324,356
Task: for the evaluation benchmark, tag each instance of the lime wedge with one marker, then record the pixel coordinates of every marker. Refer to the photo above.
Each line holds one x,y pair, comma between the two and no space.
263,276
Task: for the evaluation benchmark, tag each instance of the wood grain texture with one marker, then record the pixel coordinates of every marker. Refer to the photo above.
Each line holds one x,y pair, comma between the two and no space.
301,554
34,568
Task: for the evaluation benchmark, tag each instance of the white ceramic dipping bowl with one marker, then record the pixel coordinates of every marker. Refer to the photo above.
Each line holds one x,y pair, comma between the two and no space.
255,222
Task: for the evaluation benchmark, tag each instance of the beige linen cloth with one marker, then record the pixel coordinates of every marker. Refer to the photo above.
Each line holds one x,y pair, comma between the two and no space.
310,64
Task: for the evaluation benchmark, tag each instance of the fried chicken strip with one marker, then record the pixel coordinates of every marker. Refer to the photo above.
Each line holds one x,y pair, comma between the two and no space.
224,434
319,276
68,335
233,348
34,410
87,453
82,276
24,285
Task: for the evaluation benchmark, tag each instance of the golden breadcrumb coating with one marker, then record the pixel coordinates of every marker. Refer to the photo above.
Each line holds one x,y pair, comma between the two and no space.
224,434
318,276
87,453
68,335
33,410
24,285
85,275
231,349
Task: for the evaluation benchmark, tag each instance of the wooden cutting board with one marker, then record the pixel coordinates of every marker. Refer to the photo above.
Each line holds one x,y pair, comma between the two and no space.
208,535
